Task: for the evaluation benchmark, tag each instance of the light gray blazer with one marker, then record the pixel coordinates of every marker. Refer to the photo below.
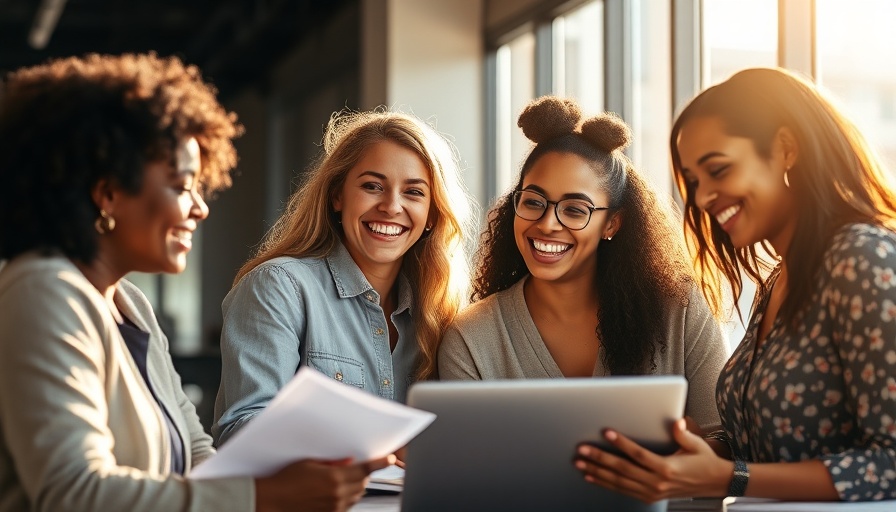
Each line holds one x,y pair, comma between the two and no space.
79,429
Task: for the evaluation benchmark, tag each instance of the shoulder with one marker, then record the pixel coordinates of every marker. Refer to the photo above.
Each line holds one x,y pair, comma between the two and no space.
43,279
866,241
482,317
285,269
858,250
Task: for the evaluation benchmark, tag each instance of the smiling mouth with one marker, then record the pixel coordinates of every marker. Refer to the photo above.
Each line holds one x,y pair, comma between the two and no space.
550,249
182,234
725,215
385,229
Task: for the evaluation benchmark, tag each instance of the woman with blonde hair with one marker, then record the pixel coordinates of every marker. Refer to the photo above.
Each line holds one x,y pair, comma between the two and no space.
358,278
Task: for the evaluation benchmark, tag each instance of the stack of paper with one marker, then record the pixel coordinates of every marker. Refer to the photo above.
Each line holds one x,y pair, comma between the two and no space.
315,417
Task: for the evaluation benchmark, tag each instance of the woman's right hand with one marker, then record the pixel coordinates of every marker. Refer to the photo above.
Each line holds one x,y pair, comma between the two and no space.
312,485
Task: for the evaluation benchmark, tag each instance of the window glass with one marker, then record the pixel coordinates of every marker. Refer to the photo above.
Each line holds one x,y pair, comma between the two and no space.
739,34
652,100
855,49
578,63
515,81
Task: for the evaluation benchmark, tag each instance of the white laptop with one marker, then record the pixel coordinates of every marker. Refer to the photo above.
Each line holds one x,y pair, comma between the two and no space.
510,444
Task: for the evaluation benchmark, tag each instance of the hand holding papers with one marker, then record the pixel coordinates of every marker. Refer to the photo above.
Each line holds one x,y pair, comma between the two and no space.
314,417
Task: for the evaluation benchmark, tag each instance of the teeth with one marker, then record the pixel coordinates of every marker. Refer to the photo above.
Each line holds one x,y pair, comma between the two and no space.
385,229
184,234
727,213
552,248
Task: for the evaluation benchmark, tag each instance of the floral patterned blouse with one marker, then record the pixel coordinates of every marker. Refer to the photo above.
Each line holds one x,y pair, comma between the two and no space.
828,391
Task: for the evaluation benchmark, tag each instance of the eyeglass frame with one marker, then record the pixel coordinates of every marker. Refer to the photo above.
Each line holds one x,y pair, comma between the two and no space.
591,209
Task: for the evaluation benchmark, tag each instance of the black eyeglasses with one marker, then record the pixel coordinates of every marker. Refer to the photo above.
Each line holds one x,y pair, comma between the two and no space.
574,214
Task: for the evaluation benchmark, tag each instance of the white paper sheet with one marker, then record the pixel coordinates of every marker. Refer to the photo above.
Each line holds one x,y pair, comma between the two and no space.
315,417
763,505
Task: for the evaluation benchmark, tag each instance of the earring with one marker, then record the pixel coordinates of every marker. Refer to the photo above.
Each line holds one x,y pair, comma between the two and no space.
786,178
428,227
105,223
608,238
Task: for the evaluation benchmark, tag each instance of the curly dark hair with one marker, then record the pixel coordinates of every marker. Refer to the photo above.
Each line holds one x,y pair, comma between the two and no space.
69,123
641,274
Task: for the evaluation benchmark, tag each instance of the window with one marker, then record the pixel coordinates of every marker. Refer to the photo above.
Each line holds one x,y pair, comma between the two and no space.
578,50
739,35
856,44
557,54
515,84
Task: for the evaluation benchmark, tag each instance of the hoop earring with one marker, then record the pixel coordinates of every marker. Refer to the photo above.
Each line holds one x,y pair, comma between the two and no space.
105,223
786,178
428,227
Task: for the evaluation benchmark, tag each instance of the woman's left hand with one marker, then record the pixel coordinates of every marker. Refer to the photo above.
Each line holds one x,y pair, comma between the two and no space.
694,470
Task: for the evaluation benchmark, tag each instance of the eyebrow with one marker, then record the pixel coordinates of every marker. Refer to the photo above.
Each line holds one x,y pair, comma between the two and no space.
572,195
410,181
704,158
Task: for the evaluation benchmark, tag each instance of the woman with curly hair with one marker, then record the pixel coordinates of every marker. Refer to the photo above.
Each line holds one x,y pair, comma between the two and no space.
808,399
104,162
581,273
358,278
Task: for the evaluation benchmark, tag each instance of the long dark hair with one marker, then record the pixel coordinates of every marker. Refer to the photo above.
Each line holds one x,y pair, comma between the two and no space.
642,273
835,180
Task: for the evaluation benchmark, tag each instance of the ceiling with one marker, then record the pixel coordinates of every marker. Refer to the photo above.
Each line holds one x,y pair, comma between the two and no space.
234,42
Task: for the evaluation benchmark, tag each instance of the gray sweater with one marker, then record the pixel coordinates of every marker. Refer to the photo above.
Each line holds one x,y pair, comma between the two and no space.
496,338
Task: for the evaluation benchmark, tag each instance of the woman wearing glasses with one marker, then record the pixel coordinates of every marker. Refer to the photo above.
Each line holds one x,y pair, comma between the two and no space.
581,272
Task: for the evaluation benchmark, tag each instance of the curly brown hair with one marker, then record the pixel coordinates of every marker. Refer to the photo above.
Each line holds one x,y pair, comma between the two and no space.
69,123
641,274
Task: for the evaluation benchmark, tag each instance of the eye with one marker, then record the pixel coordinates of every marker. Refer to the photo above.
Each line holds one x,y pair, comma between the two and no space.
532,203
372,186
575,210
717,170
416,192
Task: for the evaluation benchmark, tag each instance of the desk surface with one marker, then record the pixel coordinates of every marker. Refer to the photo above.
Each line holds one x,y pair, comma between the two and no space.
392,503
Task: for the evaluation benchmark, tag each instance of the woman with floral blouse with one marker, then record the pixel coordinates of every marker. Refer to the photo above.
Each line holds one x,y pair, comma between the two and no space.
808,399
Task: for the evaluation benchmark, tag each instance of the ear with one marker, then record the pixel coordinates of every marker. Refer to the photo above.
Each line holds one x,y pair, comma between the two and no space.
786,147
613,225
103,195
336,201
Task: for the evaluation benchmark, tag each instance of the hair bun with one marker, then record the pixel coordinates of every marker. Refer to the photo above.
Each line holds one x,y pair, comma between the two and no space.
607,132
549,117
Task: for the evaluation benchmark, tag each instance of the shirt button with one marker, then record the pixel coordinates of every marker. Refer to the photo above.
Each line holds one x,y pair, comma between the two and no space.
338,375
379,332
369,297
385,382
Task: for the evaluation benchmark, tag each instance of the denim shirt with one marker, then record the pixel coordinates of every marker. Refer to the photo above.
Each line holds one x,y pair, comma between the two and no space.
290,312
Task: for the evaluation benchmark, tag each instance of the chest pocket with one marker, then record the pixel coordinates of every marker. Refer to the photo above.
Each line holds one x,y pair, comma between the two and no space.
337,367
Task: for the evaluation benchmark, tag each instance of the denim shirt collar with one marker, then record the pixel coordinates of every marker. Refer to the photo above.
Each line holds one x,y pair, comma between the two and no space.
351,282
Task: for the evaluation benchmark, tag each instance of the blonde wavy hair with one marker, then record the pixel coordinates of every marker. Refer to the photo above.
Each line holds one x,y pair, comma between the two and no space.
436,265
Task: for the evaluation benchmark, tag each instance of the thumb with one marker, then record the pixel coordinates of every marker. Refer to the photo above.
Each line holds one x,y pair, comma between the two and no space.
687,440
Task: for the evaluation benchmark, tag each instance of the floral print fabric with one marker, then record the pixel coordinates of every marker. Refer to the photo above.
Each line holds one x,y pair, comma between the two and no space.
827,390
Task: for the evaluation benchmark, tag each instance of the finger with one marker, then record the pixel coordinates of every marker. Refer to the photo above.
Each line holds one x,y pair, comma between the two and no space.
614,481
642,456
686,439
375,464
593,457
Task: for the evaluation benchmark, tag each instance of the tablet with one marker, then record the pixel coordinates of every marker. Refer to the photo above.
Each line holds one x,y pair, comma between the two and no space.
510,444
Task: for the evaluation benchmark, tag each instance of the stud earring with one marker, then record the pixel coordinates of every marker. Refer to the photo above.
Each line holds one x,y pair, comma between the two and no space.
608,238
105,223
428,227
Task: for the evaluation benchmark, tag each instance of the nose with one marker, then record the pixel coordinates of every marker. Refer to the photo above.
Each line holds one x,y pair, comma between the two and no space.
199,209
704,195
391,203
549,222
